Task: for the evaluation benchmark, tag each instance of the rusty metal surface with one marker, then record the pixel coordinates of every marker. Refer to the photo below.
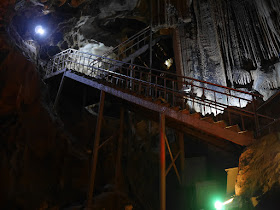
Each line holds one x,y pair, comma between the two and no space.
185,119
128,79
162,186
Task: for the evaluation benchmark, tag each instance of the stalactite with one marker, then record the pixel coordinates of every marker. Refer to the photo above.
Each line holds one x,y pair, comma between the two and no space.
231,36
246,31
241,76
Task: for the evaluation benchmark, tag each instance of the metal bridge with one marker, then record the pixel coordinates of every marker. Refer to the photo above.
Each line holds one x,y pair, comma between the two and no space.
209,111
164,92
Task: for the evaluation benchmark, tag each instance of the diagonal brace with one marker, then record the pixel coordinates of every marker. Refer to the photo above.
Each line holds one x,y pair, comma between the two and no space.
172,160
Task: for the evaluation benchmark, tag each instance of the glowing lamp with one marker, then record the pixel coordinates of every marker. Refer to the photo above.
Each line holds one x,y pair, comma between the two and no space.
39,30
218,205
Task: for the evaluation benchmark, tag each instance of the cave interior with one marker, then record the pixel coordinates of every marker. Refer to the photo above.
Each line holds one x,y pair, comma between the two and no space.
137,104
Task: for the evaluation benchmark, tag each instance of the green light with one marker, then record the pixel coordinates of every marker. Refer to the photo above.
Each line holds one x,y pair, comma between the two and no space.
218,205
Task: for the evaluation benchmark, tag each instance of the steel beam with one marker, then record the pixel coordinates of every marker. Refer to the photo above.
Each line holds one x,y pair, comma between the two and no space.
172,160
182,155
162,189
95,149
59,91
119,152
184,119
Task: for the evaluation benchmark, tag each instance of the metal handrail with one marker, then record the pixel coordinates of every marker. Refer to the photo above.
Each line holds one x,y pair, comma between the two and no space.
156,83
126,45
160,71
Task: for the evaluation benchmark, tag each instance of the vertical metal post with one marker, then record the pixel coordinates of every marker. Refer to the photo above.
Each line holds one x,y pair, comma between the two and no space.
84,100
130,74
151,50
158,12
118,172
257,126
119,152
164,81
59,91
162,163
182,155
95,149
156,95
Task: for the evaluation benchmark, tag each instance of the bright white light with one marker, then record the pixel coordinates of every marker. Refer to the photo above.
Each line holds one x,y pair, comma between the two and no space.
218,205
168,62
39,30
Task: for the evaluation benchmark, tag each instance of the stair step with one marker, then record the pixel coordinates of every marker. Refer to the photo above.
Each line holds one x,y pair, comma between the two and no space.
176,108
134,93
234,128
148,98
166,104
157,101
196,115
185,111
208,119
221,124
247,133
162,100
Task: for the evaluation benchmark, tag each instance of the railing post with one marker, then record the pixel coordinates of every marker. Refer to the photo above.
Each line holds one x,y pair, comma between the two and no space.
257,126
140,84
182,155
162,163
119,152
156,87
173,96
165,88
151,53
215,103
203,95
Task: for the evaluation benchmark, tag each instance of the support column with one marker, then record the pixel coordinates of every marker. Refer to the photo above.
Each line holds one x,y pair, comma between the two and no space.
59,91
182,155
118,174
84,100
177,48
95,149
162,189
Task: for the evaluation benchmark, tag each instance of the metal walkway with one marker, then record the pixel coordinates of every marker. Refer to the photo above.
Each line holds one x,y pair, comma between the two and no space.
211,112
164,92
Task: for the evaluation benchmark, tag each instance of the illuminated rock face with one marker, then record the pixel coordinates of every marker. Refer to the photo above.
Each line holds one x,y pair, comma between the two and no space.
259,170
233,43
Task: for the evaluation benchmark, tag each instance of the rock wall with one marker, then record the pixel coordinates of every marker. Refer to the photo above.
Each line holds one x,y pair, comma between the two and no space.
258,176
229,42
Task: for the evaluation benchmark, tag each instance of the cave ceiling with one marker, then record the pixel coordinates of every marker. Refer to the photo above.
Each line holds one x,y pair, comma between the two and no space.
234,43
92,26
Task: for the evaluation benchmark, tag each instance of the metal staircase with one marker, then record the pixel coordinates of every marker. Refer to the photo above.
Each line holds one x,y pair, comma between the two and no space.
161,91
208,111
133,46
